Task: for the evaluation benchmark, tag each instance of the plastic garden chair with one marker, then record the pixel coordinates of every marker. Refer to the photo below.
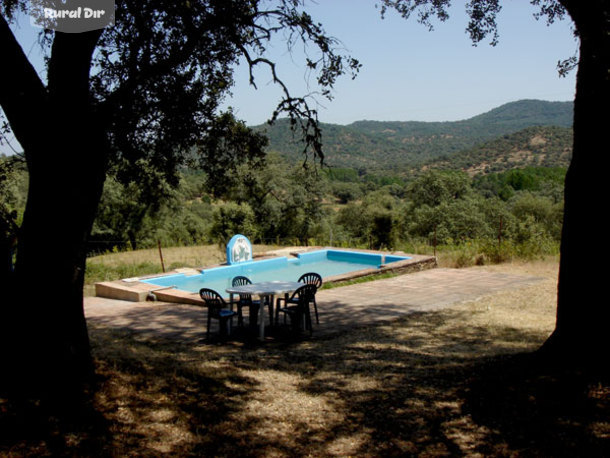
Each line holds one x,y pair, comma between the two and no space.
297,307
217,309
309,278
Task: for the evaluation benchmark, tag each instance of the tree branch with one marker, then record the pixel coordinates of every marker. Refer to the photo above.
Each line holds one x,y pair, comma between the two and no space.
70,65
296,107
22,93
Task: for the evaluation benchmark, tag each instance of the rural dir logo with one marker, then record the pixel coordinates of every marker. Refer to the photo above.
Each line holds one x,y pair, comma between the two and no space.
72,16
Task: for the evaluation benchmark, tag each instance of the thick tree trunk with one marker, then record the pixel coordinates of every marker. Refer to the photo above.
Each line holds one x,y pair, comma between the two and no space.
583,309
50,338
45,341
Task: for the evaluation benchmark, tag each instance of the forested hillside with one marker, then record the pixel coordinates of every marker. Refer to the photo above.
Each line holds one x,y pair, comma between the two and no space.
376,145
504,194
547,146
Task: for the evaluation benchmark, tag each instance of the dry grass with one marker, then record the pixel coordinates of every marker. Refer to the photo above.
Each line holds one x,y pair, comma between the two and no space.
192,256
450,383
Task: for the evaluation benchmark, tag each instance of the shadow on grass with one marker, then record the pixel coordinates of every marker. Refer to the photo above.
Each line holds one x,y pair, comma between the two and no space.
427,384
31,428
423,388
539,408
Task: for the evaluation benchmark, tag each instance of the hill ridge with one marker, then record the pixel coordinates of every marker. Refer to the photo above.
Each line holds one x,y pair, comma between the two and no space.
401,145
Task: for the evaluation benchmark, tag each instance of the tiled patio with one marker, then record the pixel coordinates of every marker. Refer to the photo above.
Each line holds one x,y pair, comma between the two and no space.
339,308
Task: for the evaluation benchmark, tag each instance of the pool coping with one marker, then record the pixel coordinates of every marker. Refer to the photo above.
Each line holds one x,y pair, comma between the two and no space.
134,290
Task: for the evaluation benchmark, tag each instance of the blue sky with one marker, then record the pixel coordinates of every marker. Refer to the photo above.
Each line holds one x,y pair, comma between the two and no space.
409,73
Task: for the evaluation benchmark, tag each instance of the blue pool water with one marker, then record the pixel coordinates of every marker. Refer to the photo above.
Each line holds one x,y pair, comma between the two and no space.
325,262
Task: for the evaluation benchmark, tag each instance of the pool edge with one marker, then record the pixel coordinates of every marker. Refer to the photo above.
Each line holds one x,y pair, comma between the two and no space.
134,290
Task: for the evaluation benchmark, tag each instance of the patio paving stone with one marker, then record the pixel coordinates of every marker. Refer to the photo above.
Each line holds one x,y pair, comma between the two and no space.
339,308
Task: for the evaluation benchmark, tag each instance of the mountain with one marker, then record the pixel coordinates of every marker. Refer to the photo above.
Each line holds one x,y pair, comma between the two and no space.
540,146
398,146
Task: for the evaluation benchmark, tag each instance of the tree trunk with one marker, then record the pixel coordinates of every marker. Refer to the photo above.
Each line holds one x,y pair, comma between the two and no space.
133,241
581,332
45,341
48,320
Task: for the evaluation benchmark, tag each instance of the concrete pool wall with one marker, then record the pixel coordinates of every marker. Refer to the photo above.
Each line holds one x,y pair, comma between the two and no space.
140,289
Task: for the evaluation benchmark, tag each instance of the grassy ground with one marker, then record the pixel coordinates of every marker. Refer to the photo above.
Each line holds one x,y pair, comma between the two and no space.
452,383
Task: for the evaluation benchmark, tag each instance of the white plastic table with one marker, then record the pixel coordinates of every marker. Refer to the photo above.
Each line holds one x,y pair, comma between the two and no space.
264,289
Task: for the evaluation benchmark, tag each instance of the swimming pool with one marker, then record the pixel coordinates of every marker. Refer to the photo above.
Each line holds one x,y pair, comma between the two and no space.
327,263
